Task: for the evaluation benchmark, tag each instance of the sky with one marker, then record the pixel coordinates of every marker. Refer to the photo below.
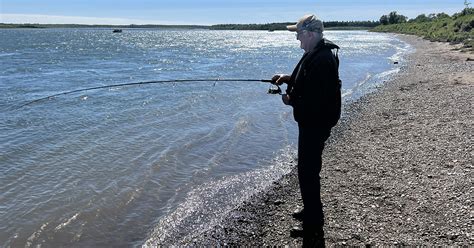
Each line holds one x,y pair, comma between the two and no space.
209,12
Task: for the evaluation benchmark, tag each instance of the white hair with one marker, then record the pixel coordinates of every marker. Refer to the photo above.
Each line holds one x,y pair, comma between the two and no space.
319,34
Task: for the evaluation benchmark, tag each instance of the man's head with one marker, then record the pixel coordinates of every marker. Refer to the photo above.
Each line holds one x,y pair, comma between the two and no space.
309,31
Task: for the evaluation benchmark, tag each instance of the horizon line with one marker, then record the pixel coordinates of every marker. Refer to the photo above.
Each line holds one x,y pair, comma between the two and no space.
12,18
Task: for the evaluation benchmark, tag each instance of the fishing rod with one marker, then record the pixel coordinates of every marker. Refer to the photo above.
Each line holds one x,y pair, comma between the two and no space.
270,91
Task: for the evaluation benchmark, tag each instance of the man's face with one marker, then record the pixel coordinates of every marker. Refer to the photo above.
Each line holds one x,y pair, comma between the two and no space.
305,39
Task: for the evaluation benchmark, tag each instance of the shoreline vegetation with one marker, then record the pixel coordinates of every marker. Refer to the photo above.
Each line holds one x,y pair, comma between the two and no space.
455,29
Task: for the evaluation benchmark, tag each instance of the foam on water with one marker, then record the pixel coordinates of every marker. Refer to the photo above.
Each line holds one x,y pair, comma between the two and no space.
206,205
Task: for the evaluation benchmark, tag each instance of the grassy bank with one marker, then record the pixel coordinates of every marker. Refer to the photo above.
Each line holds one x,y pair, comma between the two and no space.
458,28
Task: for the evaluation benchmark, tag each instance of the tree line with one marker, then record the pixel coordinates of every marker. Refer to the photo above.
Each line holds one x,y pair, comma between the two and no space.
458,28
394,18
267,26
282,25
37,25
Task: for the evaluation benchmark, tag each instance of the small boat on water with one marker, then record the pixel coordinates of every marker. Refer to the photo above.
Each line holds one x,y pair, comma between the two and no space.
117,31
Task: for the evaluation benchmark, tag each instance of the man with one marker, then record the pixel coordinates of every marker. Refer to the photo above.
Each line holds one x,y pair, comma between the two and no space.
314,92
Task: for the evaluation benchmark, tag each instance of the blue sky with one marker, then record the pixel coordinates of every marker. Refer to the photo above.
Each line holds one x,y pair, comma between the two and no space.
211,11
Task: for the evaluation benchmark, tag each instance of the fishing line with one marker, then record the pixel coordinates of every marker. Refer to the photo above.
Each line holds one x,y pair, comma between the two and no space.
271,91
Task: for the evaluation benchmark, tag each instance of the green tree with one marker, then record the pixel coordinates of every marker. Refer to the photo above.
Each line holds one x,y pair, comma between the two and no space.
421,18
384,20
464,12
394,18
442,15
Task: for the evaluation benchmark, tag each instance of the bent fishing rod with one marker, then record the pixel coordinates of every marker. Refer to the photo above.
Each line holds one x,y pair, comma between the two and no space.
270,91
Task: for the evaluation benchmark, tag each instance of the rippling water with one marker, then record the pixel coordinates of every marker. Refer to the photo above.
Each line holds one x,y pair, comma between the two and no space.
121,166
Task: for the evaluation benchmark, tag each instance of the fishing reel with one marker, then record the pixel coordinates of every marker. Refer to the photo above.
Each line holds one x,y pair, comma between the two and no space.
273,90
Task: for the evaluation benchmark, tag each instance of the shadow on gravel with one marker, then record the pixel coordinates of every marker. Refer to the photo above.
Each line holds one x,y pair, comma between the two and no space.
313,238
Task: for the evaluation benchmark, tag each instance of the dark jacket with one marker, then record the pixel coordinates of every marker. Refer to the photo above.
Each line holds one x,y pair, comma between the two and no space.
315,88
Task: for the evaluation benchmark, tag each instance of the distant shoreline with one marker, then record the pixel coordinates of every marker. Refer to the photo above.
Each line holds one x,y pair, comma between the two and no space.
336,25
40,26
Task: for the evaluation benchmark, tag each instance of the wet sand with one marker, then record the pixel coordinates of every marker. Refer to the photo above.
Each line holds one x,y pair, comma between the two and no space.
397,170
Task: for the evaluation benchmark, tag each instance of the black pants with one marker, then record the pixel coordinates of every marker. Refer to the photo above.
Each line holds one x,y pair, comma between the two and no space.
310,148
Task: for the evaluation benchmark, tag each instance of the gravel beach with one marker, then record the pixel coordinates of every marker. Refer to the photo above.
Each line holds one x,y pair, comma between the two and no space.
397,170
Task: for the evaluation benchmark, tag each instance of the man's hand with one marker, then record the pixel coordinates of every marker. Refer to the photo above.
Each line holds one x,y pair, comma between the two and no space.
286,99
279,79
